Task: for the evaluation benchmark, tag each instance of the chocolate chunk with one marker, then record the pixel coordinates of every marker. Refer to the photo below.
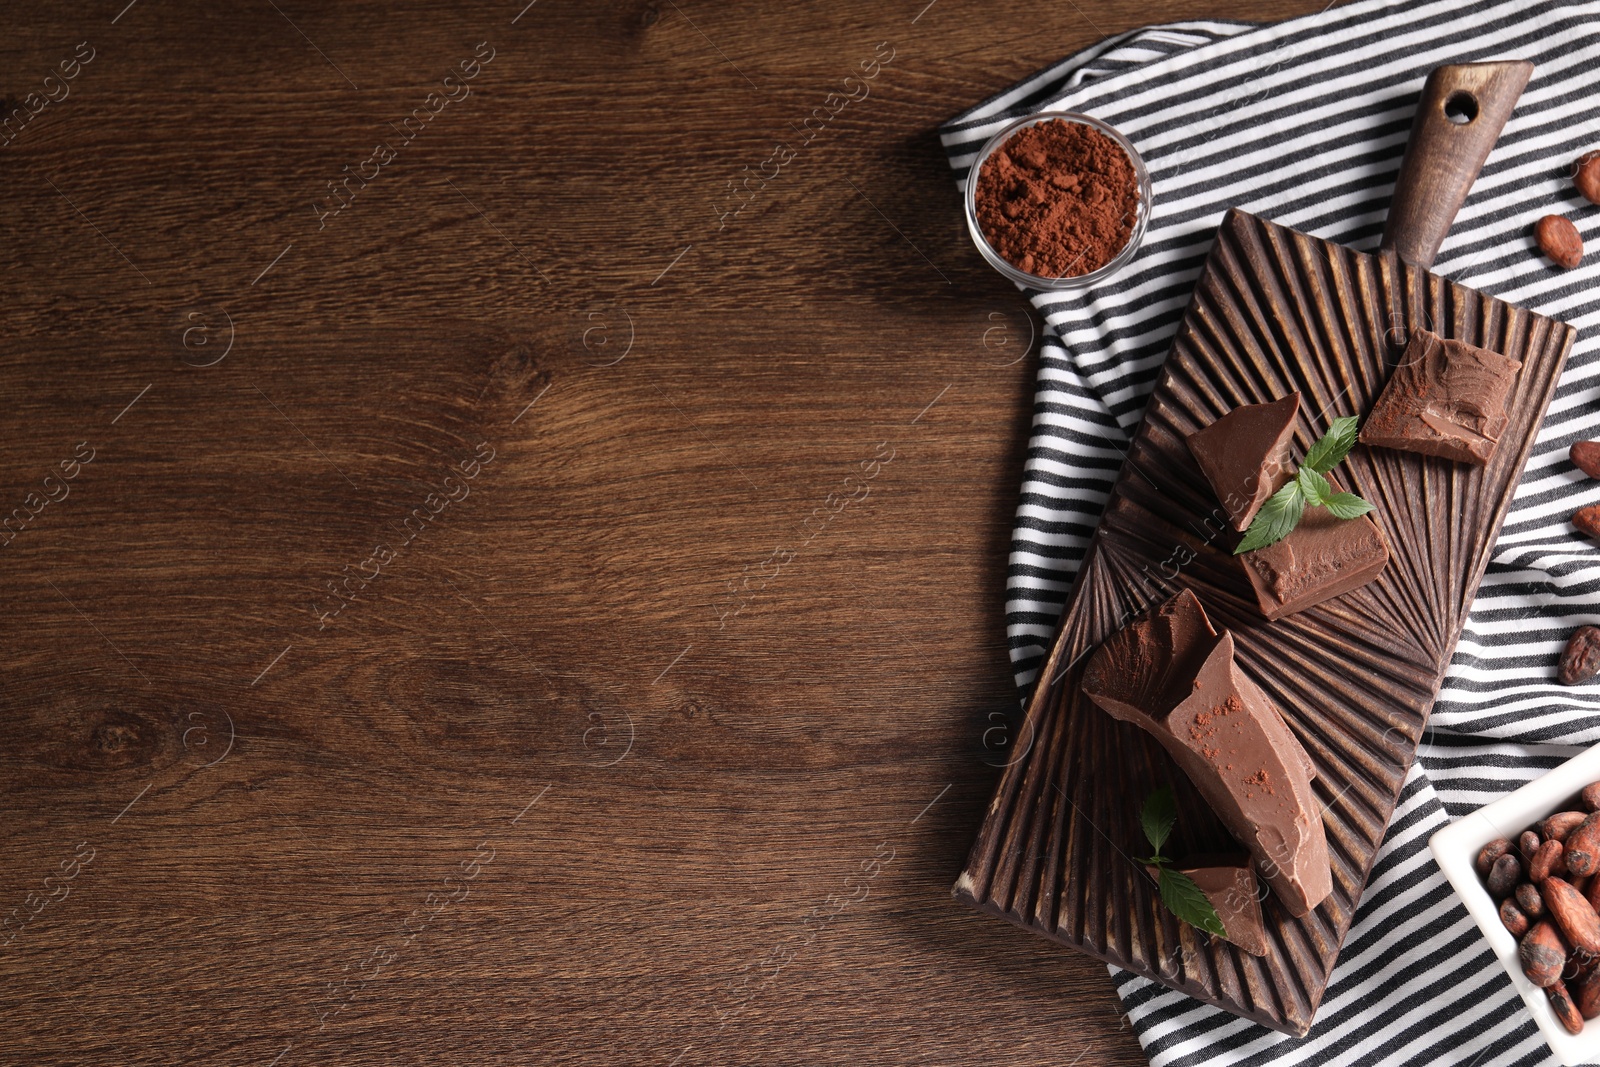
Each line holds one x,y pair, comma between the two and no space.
1321,558
1174,676
1446,398
1229,882
1245,455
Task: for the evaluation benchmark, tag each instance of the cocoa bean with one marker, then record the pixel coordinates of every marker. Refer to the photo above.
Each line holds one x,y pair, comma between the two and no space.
1547,862
1588,520
1528,843
1489,853
1586,991
1543,953
1562,823
1591,893
1504,876
1565,1009
1513,918
1585,455
1580,660
1591,796
1529,900
1586,176
1559,240
1583,846
1576,917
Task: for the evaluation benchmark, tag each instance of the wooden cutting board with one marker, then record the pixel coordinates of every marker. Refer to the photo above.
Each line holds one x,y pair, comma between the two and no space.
1275,311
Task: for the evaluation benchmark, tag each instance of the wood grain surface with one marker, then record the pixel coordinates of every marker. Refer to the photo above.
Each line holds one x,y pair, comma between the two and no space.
1458,120
1275,312
531,613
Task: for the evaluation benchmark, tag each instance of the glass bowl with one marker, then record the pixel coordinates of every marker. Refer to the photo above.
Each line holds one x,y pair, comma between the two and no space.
1038,281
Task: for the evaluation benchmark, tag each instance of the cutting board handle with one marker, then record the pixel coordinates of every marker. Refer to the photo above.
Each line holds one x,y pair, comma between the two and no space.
1463,108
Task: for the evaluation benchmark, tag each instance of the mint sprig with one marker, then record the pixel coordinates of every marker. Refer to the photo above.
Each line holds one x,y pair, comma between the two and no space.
1186,900
1347,506
1308,488
1336,444
1159,816
1313,486
1178,891
1276,519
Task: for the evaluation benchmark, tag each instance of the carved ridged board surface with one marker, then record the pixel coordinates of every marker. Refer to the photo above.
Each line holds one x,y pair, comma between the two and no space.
1274,311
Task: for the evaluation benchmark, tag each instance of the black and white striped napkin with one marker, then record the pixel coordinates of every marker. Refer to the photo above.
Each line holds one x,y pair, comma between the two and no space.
1305,122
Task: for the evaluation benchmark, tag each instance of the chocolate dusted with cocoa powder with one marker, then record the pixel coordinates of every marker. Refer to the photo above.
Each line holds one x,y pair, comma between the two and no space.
1446,398
1229,883
1323,557
1245,455
1174,676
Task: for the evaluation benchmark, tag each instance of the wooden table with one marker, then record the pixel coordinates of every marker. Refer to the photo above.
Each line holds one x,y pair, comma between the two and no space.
540,600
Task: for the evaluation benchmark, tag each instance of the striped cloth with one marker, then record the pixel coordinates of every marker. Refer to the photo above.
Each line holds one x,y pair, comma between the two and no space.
1304,122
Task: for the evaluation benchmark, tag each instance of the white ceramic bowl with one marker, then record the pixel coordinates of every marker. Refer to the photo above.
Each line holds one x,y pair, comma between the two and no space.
1457,845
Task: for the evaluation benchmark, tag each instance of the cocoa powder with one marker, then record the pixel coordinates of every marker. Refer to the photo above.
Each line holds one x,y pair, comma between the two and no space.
1058,199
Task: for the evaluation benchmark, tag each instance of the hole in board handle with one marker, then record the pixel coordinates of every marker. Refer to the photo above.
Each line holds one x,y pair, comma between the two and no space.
1461,107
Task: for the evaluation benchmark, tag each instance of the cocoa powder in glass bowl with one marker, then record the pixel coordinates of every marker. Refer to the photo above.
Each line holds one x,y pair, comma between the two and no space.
1058,200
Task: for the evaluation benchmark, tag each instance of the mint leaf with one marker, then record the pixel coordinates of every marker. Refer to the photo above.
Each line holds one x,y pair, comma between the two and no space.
1185,900
1160,814
1178,891
1329,452
1276,518
1313,486
1346,506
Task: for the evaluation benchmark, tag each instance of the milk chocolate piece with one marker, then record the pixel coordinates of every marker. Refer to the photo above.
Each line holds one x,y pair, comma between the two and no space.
1174,676
1321,558
1446,398
1245,455
1229,882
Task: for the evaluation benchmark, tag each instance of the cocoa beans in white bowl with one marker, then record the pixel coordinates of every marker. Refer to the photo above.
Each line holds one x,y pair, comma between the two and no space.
1527,868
